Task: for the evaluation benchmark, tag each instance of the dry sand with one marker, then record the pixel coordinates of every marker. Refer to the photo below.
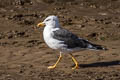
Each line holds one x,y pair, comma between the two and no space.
25,56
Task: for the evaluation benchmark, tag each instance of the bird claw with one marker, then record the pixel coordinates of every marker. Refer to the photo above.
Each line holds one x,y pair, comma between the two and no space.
76,67
51,67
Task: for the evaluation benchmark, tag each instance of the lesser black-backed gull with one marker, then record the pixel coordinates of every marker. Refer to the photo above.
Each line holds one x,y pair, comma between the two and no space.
63,40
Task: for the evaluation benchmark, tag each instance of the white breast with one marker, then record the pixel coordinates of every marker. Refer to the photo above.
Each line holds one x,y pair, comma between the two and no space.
50,41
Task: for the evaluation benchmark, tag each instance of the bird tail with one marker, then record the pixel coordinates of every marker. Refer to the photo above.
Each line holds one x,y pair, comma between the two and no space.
96,47
92,46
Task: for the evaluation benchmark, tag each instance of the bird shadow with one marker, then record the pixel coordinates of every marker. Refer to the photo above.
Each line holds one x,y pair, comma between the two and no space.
100,64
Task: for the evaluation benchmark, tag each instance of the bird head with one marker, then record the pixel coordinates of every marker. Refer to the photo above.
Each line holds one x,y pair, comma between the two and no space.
51,21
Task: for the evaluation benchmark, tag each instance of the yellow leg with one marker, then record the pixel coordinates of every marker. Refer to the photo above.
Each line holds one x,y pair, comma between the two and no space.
75,61
52,67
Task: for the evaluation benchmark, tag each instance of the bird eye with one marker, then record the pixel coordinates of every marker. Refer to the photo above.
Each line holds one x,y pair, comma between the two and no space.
47,19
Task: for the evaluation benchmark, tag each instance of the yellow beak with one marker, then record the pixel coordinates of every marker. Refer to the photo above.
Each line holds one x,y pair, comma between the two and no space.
41,24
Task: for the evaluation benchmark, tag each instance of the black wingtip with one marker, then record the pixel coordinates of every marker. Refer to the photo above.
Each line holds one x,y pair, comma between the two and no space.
105,49
99,47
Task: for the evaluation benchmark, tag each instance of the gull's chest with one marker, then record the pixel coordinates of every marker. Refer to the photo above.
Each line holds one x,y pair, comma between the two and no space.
49,40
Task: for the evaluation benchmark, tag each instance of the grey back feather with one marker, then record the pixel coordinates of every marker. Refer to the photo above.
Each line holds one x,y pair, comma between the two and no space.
71,40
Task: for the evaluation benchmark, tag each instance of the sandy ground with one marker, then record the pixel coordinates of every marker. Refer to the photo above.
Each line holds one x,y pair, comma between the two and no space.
25,56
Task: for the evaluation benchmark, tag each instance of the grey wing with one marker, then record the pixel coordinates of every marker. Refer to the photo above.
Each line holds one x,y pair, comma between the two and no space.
71,40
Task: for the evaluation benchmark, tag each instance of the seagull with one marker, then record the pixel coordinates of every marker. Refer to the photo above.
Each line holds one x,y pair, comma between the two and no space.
63,40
